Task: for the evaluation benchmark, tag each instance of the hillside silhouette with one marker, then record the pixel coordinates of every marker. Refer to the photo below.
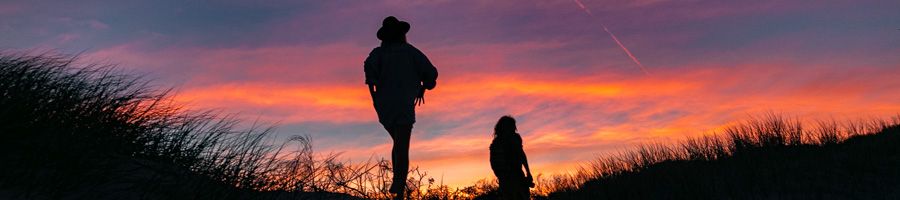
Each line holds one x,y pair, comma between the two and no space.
76,130
764,158
71,131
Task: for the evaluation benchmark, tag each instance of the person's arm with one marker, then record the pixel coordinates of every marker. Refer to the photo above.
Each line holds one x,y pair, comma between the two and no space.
427,72
372,68
525,163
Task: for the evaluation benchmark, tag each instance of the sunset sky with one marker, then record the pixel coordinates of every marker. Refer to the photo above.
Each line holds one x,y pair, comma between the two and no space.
574,91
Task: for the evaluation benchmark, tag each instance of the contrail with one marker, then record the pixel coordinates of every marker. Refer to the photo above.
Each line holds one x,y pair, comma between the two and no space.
613,36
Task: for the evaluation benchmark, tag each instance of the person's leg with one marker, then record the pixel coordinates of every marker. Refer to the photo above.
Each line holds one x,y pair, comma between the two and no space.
512,188
522,188
393,131
524,192
400,156
502,190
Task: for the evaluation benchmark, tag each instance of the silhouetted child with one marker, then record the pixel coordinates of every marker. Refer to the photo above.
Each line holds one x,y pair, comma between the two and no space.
507,159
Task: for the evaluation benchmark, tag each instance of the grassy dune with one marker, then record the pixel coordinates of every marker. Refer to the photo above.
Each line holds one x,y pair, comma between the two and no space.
91,132
84,131
764,158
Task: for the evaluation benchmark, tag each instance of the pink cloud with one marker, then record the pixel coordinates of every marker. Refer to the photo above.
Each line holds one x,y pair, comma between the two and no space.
576,94
573,123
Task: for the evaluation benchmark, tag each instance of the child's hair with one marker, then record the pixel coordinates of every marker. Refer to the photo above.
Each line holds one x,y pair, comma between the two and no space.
506,125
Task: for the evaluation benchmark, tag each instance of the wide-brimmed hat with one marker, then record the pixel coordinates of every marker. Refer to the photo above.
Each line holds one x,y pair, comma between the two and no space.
392,29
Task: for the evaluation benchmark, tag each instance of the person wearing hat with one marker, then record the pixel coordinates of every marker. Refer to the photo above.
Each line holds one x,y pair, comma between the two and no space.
398,74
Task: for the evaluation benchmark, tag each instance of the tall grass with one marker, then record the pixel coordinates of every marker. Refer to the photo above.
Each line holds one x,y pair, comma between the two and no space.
72,130
764,141
71,121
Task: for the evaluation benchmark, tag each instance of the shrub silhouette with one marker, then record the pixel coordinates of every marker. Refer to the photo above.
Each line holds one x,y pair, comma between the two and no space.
87,131
768,157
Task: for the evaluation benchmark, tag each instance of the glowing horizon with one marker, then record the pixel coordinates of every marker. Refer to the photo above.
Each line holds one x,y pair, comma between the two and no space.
299,65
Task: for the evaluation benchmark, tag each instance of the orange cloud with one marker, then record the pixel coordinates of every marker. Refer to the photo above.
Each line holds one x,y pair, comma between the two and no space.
567,118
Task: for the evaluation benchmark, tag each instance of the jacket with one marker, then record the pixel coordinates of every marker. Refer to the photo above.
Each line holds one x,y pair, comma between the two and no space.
398,71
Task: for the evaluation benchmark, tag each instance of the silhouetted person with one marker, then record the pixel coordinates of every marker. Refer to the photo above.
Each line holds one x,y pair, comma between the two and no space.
507,159
398,75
